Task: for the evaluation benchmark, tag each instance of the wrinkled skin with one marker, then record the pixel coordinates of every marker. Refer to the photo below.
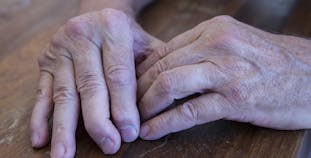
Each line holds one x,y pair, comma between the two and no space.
90,60
240,72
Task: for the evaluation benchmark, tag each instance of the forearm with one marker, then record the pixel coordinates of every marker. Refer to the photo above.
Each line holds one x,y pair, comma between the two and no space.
130,7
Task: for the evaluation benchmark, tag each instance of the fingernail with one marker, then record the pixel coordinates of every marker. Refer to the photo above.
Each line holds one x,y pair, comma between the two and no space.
128,133
58,150
107,145
144,131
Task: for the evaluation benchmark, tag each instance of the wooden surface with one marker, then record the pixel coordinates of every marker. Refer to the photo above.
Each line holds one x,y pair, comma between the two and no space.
27,25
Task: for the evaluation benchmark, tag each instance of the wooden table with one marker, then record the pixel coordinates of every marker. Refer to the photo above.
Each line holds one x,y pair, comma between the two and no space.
27,25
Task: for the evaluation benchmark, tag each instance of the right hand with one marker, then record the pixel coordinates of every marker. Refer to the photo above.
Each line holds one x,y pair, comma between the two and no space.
90,60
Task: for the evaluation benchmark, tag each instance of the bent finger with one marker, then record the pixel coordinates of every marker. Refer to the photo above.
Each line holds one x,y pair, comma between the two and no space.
184,56
178,83
206,108
174,44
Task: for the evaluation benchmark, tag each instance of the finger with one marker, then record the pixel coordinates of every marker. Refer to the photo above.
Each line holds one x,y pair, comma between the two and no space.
66,110
42,111
179,83
119,70
92,88
178,42
206,108
184,56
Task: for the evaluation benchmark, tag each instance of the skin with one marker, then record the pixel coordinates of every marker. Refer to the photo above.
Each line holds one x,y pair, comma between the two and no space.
89,66
237,72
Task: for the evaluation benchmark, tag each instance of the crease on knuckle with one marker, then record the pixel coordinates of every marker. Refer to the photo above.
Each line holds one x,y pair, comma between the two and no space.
43,94
162,50
189,112
119,75
59,128
158,68
64,94
90,83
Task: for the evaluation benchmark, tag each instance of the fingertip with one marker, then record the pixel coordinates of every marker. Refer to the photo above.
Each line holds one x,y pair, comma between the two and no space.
144,132
60,150
35,141
108,146
105,134
39,137
129,133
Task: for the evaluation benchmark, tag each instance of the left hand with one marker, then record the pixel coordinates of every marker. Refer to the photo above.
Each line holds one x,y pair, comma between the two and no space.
242,73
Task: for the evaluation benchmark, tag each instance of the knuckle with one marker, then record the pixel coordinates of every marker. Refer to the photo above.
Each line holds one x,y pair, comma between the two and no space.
43,94
78,26
158,68
119,75
63,94
189,111
223,19
162,51
89,83
46,60
57,41
165,83
59,128
221,39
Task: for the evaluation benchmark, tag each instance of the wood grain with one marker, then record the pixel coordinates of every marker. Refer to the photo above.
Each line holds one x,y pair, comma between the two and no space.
27,25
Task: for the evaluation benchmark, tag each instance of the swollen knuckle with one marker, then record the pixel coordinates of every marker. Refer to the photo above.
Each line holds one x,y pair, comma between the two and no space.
223,19
57,41
119,75
223,39
165,83
63,94
78,26
46,58
89,83
189,111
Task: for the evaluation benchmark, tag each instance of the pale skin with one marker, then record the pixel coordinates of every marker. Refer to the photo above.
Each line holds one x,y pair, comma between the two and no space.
240,73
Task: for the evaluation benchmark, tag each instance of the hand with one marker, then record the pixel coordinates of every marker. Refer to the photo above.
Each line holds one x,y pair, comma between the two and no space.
241,73
90,60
